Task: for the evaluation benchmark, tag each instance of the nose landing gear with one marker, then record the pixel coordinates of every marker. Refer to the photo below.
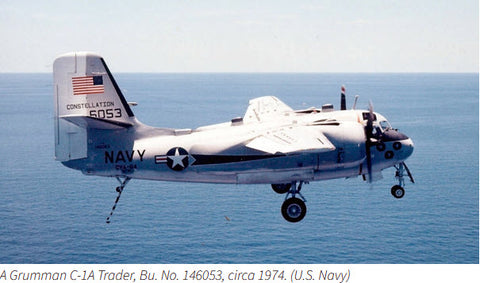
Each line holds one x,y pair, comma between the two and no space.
398,191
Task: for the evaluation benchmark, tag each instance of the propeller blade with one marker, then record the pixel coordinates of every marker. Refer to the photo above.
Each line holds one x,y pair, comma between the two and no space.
370,107
369,160
370,118
368,141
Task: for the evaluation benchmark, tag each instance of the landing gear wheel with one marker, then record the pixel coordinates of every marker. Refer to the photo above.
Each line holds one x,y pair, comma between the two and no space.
294,209
281,188
397,191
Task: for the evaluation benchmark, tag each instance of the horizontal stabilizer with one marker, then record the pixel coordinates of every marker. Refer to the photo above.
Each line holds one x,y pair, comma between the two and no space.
290,140
96,123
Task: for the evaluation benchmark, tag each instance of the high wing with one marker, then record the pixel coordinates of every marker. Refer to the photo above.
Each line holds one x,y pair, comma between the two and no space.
287,137
266,108
290,140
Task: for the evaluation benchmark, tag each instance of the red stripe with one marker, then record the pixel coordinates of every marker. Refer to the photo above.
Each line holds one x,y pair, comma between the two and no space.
88,91
160,159
82,79
88,88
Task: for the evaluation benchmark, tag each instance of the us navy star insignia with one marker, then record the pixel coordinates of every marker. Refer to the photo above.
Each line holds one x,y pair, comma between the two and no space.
177,159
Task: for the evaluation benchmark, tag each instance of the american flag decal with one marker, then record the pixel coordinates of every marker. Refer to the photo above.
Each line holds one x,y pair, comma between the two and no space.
87,85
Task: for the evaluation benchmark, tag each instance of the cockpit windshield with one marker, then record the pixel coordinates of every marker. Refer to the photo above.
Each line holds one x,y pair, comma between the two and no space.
384,124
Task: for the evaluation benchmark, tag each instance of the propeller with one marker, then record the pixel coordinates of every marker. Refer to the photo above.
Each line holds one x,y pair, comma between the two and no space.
368,141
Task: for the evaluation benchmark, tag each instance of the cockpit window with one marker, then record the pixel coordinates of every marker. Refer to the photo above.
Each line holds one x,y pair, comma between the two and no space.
367,114
385,125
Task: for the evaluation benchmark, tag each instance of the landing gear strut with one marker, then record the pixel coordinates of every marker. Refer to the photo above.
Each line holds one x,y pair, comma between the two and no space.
119,190
398,191
294,209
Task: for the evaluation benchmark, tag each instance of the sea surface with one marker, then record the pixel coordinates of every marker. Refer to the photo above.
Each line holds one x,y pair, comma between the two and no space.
52,214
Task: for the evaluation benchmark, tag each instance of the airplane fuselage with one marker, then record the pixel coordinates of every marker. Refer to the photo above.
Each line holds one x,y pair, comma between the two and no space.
218,153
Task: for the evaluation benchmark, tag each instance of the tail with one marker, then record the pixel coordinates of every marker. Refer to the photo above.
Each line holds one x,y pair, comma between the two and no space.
86,96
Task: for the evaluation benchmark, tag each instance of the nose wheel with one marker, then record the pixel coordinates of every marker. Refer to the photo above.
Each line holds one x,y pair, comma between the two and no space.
398,191
293,208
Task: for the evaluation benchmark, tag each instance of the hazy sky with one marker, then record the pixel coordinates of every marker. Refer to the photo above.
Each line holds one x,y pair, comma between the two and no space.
244,36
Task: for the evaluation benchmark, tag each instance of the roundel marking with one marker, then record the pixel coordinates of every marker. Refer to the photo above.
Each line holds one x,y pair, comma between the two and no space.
177,158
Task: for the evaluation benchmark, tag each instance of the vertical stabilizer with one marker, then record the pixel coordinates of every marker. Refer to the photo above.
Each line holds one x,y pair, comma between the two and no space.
86,96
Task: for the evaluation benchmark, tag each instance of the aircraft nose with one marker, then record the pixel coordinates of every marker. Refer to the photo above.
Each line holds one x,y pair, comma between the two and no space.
402,144
408,147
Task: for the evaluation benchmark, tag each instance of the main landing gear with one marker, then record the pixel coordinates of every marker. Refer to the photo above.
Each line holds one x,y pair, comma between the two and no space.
293,208
398,191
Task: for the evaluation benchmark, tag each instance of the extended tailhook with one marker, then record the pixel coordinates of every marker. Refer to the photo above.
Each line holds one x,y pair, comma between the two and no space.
119,189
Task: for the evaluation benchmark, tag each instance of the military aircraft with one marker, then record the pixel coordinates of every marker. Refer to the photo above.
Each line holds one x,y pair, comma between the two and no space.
97,133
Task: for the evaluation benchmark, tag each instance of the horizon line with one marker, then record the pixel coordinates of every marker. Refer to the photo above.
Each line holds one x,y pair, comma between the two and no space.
265,72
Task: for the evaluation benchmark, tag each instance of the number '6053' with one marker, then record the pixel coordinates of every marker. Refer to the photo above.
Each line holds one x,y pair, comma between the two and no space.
106,113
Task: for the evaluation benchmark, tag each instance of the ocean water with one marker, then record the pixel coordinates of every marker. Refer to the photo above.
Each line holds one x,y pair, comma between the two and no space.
52,214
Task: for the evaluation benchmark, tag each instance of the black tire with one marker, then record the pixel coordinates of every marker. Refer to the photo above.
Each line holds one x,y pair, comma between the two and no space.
281,188
294,210
397,191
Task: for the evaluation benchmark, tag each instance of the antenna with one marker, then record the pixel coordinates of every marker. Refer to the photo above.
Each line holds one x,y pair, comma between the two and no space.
343,103
355,102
